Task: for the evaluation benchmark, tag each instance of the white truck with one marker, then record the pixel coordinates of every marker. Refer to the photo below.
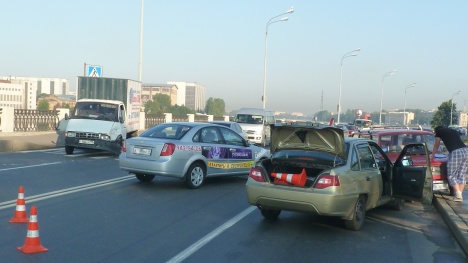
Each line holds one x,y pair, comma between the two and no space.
256,123
107,112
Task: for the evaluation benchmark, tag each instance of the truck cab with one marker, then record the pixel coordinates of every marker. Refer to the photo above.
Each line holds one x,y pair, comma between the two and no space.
96,124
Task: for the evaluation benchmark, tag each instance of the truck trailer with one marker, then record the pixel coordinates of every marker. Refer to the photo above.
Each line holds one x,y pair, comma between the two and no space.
107,112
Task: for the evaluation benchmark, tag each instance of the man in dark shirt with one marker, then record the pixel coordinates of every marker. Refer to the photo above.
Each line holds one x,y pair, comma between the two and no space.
457,163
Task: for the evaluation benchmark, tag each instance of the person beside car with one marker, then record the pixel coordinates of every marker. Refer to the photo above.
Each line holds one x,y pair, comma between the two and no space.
457,164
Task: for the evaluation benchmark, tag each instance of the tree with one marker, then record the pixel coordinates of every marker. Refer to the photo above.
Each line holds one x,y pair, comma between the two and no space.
442,116
323,116
180,110
161,103
43,105
215,107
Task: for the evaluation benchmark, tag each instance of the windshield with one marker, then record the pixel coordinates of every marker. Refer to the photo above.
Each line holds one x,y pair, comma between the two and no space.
248,118
96,110
396,142
363,123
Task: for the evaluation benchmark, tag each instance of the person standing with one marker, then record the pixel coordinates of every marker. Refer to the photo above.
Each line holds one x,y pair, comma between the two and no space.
457,163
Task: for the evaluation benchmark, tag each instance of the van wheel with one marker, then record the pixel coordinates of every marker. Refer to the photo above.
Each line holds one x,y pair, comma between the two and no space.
359,214
69,150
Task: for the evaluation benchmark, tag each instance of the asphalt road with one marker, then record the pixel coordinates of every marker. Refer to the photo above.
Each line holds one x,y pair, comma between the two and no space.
90,211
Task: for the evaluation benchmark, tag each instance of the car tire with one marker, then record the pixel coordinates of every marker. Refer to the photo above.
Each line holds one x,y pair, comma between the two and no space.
359,215
69,150
195,176
144,177
270,214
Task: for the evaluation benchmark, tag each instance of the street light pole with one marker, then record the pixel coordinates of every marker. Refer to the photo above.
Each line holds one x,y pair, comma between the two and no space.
349,54
404,111
451,107
271,21
141,42
391,73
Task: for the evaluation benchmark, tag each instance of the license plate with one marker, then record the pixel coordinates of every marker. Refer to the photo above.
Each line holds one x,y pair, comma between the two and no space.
142,151
86,141
440,187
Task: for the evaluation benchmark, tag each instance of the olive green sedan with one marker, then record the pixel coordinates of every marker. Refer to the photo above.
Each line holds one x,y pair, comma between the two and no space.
315,169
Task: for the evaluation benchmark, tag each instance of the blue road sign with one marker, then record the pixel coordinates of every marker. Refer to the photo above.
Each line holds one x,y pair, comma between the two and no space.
94,71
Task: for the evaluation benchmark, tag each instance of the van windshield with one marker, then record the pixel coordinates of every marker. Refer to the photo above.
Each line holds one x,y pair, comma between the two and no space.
95,110
248,118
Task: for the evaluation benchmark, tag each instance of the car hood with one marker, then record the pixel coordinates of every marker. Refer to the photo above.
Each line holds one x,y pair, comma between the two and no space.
320,139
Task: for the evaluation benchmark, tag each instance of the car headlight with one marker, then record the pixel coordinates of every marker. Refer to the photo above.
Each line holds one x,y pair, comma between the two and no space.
105,137
71,134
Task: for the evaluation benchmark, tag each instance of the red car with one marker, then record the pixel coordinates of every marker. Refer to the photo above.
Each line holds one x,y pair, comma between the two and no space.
392,142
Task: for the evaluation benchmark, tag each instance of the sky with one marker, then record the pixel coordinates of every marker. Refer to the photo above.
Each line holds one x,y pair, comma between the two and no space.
220,44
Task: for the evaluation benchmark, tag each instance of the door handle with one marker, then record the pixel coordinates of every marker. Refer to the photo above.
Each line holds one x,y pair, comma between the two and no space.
367,178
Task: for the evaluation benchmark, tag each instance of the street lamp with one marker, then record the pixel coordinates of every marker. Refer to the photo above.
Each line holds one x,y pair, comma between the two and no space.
349,54
451,107
391,73
404,111
271,21
141,42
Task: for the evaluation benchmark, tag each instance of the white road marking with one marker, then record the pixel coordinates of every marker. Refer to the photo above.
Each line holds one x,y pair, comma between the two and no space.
24,167
200,243
62,192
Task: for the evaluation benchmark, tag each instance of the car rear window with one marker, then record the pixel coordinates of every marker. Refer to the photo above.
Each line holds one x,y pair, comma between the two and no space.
169,131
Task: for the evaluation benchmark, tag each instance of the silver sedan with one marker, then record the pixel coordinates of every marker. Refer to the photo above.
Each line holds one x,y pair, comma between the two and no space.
189,151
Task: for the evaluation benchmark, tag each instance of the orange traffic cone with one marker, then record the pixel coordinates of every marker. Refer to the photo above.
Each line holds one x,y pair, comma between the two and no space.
20,212
33,242
295,179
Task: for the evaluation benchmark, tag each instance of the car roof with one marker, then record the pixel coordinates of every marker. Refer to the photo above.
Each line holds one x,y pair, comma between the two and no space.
192,124
398,131
227,122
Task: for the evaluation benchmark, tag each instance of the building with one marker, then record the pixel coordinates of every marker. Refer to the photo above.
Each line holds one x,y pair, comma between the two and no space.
18,94
190,95
22,92
52,86
149,90
463,119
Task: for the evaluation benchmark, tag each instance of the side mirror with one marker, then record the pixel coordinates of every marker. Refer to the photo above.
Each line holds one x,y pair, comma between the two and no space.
66,116
407,161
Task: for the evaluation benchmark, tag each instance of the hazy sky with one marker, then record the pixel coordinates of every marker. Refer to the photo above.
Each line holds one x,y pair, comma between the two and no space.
220,44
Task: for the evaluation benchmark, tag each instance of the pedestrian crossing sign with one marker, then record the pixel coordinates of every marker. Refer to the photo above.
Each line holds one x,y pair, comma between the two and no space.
94,71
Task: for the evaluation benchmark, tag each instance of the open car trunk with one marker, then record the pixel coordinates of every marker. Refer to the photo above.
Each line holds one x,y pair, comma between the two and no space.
292,169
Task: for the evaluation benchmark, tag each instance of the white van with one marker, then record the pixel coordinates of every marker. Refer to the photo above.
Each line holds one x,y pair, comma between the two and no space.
256,123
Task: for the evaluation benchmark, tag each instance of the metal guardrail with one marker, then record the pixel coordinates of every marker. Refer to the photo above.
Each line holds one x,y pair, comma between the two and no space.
154,119
35,120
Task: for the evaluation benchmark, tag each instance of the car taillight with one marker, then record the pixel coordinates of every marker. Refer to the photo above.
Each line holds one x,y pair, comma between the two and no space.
256,174
124,148
168,149
327,180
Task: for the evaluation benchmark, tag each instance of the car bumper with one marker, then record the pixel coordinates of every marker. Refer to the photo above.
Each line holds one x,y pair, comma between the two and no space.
160,167
297,199
110,146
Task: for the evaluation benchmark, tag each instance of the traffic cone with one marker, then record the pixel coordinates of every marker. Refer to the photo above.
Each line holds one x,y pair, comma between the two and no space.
33,242
295,179
20,212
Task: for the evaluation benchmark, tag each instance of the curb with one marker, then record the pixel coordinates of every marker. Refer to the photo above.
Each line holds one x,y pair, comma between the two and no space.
453,220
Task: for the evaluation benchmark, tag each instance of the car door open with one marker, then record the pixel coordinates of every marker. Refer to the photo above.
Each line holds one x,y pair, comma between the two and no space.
411,182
